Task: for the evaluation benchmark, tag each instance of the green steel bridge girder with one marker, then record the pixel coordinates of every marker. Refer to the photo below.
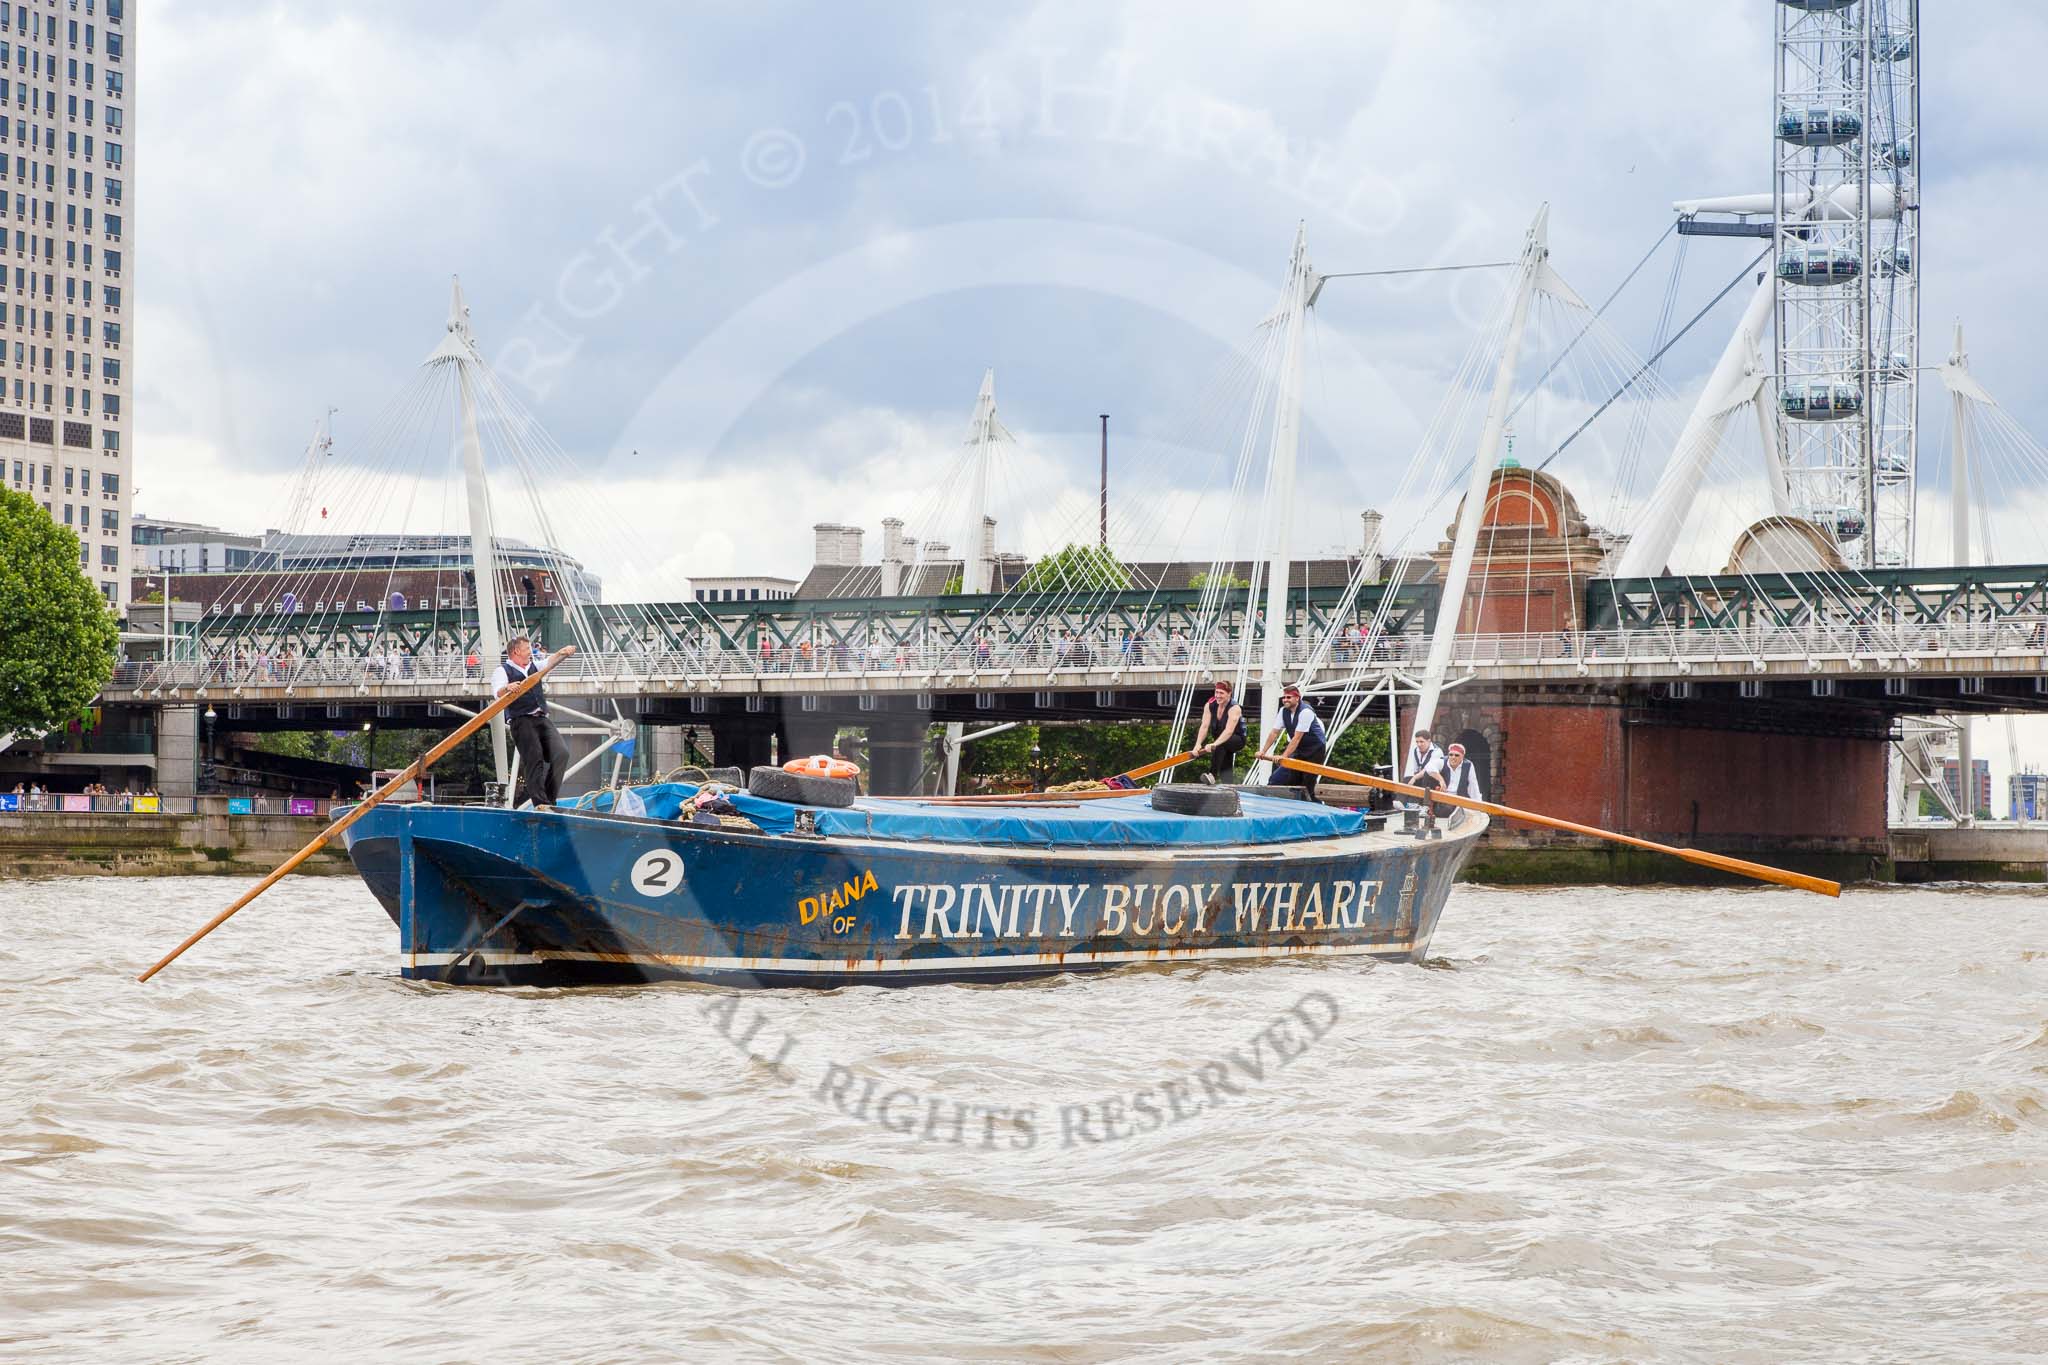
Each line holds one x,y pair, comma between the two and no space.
1988,595
1875,597
952,621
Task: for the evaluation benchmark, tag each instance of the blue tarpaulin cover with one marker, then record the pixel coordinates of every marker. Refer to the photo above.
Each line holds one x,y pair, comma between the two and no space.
1116,822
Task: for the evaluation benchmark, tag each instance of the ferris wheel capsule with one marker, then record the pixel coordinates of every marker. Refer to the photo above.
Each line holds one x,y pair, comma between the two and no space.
1820,402
1846,522
1891,44
1896,368
1894,260
1818,126
1818,266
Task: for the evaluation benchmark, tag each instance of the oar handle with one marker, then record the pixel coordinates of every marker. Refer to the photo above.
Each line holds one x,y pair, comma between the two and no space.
1721,861
413,770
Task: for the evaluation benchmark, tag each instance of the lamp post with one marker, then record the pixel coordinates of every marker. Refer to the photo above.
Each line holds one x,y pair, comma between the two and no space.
206,764
166,581
1105,481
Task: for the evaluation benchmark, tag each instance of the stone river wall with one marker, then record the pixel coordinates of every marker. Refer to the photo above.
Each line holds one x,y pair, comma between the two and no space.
53,844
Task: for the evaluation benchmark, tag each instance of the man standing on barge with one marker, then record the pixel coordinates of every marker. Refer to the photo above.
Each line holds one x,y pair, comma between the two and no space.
543,756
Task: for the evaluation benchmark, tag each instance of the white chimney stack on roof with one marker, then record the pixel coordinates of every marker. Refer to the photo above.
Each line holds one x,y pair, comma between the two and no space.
1371,551
892,556
830,544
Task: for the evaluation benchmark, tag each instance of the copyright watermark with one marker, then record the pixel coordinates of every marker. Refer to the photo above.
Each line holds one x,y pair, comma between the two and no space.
1115,103
923,1115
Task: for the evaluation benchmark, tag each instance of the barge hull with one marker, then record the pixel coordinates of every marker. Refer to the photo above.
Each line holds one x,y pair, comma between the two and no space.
488,896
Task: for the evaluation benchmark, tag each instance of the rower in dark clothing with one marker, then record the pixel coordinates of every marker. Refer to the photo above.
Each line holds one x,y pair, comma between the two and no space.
1222,714
542,754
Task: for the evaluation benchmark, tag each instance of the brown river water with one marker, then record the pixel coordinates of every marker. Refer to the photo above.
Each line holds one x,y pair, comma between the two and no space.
1605,1125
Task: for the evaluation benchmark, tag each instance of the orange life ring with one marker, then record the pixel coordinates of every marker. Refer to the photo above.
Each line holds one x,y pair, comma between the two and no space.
821,765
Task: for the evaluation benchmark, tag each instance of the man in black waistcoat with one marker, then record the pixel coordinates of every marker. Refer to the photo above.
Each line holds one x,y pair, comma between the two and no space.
543,756
1301,730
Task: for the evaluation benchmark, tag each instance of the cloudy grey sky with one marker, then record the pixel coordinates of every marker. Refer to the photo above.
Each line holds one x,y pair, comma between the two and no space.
747,262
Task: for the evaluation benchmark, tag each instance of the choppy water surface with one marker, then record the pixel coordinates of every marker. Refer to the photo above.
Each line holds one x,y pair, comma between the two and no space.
1613,1125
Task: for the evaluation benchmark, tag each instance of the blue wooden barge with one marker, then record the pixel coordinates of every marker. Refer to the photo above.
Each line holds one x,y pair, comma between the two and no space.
891,892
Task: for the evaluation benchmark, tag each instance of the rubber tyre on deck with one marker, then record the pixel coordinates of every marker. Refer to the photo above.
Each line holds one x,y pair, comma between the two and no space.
1188,798
800,790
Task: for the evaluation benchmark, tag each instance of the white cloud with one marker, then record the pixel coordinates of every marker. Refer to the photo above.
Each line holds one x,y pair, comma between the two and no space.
377,149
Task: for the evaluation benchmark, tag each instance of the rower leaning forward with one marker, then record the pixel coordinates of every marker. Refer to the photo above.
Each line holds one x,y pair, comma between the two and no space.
1301,731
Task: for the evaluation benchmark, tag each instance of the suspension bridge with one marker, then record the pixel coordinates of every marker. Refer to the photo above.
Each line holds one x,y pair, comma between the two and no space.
1617,673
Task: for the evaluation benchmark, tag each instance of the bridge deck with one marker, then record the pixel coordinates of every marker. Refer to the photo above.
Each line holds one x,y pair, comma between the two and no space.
2013,647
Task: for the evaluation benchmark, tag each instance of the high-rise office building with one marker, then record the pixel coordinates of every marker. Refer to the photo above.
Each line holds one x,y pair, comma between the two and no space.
2028,791
1980,784
67,215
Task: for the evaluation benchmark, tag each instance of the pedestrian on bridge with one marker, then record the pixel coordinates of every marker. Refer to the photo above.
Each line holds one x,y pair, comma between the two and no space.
543,756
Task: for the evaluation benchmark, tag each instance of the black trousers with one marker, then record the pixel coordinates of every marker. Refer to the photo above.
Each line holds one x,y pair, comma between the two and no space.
543,756
1288,777
1223,758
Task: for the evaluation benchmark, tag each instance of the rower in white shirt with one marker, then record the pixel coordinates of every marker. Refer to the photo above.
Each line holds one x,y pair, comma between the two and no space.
1461,778
1426,770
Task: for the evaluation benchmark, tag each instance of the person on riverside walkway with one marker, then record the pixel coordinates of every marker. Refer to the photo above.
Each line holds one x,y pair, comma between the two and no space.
1222,714
542,754
1302,729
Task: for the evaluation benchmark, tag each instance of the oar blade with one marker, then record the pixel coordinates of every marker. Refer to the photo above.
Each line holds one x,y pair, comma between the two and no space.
418,766
1818,885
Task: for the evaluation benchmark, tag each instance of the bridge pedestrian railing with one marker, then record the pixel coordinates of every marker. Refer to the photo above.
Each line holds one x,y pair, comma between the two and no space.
1818,645
1016,664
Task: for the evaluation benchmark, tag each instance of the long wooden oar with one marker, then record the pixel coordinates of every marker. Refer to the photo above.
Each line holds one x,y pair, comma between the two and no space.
419,765
1161,766
1722,862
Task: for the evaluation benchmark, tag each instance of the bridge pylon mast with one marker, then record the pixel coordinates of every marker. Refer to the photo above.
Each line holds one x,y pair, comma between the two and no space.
458,349
1277,521
1533,274
1961,496
977,546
